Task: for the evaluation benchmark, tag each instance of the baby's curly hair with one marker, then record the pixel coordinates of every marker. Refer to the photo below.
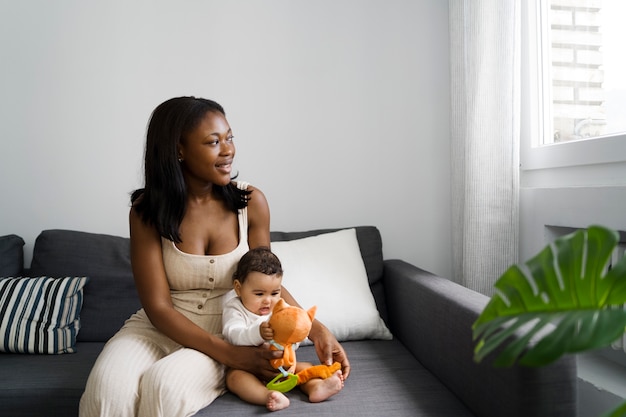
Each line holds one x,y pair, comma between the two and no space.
260,259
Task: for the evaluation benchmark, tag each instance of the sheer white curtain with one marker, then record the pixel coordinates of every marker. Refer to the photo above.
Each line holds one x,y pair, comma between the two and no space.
484,71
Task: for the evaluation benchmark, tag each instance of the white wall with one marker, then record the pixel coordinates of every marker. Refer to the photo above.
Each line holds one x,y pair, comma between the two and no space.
339,108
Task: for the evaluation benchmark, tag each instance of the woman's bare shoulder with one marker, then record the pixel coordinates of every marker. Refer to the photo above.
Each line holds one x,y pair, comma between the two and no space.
140,229
258,218
257,199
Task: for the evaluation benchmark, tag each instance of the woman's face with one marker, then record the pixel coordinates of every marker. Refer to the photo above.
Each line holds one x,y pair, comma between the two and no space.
207,152
259,292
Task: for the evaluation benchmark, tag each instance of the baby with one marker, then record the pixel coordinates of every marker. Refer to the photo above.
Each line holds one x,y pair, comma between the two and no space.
257,284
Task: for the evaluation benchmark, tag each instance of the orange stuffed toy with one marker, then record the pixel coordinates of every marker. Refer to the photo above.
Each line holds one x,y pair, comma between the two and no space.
292,325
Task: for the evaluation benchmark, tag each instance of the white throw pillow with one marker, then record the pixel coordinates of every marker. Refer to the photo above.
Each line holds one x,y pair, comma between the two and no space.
327,271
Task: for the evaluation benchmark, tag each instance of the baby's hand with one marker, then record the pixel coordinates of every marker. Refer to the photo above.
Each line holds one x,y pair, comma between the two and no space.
266,331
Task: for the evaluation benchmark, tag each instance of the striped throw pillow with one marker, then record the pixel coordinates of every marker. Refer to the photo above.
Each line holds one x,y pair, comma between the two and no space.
40,315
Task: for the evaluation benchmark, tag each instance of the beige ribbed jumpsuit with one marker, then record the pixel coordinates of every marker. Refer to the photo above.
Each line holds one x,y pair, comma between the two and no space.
143,373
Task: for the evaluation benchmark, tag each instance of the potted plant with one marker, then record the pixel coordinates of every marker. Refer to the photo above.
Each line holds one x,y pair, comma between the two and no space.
566,299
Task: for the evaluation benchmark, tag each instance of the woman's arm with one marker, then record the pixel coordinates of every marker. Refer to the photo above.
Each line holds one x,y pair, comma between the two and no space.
258,219
154,294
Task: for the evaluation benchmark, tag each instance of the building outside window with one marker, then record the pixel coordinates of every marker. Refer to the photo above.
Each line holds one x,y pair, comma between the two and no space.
582,69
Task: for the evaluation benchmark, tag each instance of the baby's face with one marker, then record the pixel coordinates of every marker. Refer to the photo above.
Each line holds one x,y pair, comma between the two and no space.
260,292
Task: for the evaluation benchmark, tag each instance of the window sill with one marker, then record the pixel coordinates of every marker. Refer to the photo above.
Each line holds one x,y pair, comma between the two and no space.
605,150
602,372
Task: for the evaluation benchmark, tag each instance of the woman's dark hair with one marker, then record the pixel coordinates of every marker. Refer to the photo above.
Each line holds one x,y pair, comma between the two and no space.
260,259
162,201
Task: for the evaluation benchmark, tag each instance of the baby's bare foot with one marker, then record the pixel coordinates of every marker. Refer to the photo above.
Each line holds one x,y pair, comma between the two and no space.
327,388
276,401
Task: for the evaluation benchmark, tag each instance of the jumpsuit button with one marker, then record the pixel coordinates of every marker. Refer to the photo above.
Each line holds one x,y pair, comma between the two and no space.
211,279
199,306
212,261
204,295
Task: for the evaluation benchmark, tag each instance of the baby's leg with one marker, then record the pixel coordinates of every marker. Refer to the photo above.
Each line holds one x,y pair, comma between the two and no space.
250,389
320,389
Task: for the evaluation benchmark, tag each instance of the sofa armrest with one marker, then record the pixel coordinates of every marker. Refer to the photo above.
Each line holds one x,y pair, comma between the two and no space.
433,318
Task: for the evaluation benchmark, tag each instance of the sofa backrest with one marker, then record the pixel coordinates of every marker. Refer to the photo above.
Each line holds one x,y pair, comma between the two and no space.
110,296
11,256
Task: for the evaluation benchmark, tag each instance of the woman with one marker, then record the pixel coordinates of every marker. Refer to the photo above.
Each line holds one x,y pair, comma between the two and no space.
189,226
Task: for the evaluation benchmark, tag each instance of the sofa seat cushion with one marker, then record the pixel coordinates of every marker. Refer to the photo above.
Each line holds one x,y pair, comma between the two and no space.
385,380
48,385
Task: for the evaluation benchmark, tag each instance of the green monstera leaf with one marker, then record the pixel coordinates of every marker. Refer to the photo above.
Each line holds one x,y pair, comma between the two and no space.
564,300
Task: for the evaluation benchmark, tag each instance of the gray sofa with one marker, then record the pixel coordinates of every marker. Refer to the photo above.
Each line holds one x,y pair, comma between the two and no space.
426,370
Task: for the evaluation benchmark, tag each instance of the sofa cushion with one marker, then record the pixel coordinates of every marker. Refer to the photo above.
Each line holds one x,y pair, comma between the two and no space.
11,255
45,385
386,380
110,297
371,247
327,271
40,315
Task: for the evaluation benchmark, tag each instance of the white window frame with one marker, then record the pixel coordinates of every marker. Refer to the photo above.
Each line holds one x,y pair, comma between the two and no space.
602,150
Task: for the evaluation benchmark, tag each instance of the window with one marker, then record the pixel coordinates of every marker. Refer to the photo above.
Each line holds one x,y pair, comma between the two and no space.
583,66
573,83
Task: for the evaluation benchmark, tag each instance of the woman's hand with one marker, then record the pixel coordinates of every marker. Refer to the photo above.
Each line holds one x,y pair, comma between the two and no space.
328,348
254,359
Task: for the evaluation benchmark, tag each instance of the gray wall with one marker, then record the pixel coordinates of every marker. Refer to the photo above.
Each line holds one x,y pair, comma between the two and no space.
340,110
